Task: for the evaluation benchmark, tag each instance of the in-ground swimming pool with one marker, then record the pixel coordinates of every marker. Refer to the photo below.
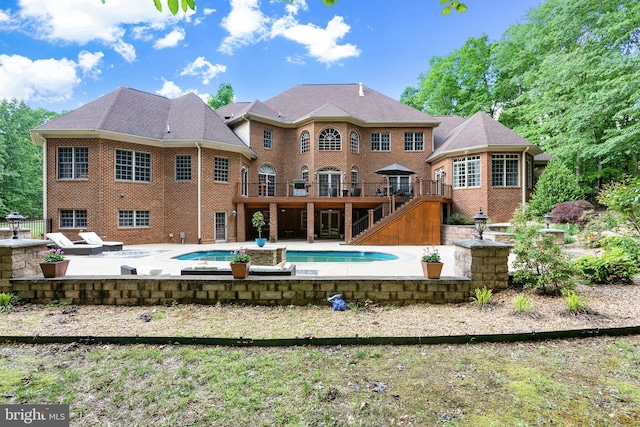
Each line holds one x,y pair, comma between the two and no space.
297,256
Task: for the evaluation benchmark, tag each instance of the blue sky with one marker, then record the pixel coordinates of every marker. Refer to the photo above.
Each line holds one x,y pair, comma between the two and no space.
61,54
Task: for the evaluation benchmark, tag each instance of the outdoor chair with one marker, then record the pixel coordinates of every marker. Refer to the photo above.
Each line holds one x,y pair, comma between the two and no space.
70,248
93,239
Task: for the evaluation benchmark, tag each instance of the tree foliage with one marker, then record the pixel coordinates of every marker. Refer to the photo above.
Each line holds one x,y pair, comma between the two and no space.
624,198
20,159
223,97
556,184
566,78
461,83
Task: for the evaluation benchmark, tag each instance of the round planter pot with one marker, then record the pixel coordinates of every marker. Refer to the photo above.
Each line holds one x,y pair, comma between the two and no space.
261,242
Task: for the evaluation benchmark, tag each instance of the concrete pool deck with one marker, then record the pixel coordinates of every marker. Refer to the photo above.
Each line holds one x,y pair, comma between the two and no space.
160,256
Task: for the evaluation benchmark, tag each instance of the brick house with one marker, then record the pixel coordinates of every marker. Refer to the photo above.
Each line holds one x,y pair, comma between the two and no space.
140,168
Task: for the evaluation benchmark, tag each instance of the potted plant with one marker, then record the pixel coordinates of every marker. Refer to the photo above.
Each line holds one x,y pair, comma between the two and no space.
258,222
54,264
431,264
240,263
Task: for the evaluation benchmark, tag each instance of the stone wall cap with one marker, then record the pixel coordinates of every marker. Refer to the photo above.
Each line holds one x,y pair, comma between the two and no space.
21,243
475,243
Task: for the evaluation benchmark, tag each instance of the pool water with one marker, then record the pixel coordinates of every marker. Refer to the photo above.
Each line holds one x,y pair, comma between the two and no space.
298,256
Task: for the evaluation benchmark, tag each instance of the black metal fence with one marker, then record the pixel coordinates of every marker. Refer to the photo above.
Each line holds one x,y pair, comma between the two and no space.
37,227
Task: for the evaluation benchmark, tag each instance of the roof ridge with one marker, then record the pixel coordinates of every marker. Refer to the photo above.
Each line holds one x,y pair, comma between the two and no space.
108,111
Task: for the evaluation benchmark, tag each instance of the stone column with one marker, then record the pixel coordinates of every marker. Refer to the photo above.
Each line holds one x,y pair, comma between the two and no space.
485,262
273,222
348,221
310,221
20,258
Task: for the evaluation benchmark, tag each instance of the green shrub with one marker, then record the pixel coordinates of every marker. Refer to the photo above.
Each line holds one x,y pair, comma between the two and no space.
628,244
540,264
457,219
624,198
557,184
523,304
613,266
6,301
482,296
575,304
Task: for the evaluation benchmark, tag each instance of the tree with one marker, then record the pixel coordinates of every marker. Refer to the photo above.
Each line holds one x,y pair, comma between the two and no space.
624,198
459,84
20,159
223,97
556,184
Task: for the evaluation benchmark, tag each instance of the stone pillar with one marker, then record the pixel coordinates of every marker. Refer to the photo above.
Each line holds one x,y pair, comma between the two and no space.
485,262
241,224
348,221
20,258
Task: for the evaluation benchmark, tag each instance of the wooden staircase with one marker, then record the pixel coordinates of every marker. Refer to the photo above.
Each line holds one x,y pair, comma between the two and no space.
416,222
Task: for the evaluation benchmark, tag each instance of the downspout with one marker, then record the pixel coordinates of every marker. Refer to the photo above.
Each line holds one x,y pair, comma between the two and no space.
524,176
199,192
44,181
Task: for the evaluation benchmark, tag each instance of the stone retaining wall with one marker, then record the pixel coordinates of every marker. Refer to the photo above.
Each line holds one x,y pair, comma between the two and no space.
451,233
147,290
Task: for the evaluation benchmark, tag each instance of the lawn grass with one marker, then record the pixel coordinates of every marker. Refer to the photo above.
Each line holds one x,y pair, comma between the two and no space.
592,382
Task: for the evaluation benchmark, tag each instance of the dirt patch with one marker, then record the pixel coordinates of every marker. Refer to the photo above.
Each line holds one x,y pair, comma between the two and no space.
609,306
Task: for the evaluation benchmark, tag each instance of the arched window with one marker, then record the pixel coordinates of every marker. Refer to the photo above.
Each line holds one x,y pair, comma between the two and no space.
354,176
267,181
304,173
305,142
329,140
354,142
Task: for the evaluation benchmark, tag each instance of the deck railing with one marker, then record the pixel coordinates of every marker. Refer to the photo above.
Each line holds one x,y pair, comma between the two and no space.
346,189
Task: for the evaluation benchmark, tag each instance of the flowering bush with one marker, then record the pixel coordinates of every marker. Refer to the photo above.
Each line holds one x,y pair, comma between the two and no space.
53,255
258,222
240,256
430,255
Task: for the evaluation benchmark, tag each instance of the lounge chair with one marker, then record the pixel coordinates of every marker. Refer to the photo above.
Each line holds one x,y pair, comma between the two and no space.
70,248
93,239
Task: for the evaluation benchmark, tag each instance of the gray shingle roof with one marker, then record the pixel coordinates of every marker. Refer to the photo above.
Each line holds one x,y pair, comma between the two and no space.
480,131
140,114
308,101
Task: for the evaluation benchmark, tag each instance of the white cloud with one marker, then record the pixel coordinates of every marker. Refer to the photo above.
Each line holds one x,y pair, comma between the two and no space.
203,69
89,62
4,17
50,80
245,23
126,50
208,11
171,90
321,43
90,20
296,59
170,40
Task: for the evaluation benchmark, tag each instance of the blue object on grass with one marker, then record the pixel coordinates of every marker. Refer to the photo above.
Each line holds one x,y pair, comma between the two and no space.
337,303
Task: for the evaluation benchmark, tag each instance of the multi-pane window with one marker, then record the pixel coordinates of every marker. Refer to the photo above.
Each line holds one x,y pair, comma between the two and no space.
413,141
73,218
380,141
221,169
529,173
268,139
183,167
73,162
127,219
504,170
304,173
329,140
303,220
133,166
305,142
245,180
466,172
354,176
354,142
267,181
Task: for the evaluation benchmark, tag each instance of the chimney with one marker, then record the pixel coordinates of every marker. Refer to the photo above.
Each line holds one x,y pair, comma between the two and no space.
360,92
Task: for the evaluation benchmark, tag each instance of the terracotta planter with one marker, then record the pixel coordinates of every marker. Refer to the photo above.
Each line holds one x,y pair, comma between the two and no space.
54,269
240,270
431,270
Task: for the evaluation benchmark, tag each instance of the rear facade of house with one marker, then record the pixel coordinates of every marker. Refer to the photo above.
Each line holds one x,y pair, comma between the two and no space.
337,162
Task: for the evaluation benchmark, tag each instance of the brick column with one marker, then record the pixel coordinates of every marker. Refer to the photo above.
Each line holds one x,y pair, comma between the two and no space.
310,221
19,258
273,222
485,262
241,223
348,221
